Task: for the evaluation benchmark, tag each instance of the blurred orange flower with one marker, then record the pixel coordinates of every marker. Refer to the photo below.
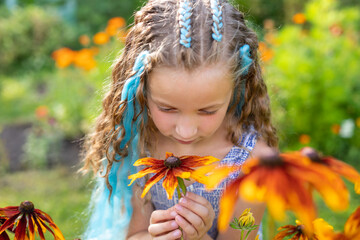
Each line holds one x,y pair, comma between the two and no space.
304,139
101,38
335,128
282,182
170,168
296,230
351,228
266,53
84,40
117,21
26,217
358,122
41,112
299,18
339,167
63,57
85,59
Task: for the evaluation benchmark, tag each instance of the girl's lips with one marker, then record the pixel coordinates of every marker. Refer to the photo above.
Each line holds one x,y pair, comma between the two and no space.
184,142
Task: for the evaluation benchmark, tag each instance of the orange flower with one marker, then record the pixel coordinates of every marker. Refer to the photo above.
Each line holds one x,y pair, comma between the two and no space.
351,228
335,128
41,112
299,18
26,216
281,181
63,57
296,230
85,59
358,122
117,21
101,38
339,167
170,168
84,40
304,139
266,53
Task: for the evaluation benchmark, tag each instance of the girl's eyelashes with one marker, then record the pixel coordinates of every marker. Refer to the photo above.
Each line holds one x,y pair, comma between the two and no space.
207,112
166,109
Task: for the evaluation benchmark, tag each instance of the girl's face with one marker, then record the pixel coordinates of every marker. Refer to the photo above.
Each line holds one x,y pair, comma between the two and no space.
188,107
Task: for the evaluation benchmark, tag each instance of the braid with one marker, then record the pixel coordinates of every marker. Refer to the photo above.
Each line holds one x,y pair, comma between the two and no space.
217,20
185,12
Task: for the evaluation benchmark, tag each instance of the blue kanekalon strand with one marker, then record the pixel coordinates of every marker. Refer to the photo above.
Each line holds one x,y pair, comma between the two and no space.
111,216
184,22
245,61
217,20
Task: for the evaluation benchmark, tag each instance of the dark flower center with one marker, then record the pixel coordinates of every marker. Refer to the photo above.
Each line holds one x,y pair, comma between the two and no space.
300,228
172,162
312,154
26,207
271,160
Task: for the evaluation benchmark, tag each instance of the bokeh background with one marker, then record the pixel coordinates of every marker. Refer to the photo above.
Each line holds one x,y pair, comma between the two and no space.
55,64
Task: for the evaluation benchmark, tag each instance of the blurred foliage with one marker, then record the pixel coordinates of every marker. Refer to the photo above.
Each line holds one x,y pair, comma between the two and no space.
61,193
27,38
313,77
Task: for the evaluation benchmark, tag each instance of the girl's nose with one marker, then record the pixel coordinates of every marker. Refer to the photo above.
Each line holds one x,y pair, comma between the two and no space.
186,129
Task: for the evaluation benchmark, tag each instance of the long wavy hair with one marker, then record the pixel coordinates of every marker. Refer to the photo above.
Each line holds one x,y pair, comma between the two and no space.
156,29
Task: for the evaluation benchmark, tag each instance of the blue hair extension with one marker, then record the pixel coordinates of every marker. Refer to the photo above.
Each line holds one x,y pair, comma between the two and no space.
245,59
111,216
217,20
185,12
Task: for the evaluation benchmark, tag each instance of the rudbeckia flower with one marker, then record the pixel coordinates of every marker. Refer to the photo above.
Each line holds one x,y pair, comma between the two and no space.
296,231
171,168
337,166
282,182
351,228
19,218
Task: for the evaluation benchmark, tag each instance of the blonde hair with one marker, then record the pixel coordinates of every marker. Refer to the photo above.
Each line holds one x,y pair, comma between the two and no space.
156,29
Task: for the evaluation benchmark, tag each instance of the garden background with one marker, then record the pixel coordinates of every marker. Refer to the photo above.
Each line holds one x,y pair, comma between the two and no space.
55,62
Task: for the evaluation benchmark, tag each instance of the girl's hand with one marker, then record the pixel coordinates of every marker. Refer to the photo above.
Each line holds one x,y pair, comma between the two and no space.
163,226
195,216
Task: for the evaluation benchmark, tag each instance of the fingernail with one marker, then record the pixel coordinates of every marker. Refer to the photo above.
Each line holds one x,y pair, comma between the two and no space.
178,207
173,214
183,200
177,233
174,224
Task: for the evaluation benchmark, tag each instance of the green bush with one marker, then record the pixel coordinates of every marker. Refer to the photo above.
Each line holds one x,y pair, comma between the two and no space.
27,38
314,80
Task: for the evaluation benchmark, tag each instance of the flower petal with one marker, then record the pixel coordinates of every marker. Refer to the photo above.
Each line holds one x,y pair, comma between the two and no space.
170,183
39,228
4,236
148,161
46,218
196,161
20,231
215,174
168,154
144,172
178,172
154,179
8,223
352,225
227,203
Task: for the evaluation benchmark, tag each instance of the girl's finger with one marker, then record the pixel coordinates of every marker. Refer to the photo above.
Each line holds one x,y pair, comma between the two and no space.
169,236
187,227
190,216
160,229
202,208
162,215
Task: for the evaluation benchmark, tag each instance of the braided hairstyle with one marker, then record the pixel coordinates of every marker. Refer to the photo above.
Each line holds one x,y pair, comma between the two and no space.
181,34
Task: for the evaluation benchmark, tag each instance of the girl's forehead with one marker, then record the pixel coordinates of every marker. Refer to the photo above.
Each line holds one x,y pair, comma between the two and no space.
212,82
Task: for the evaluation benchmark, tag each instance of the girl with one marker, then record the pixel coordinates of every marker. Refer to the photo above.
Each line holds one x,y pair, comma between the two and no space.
188,82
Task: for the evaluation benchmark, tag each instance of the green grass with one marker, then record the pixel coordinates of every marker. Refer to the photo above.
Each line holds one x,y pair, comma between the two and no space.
63,194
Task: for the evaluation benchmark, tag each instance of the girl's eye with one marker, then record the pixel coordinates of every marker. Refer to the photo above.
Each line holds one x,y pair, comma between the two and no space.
164,109
208,112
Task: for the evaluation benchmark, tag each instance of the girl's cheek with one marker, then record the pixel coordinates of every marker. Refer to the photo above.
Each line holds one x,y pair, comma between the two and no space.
163,121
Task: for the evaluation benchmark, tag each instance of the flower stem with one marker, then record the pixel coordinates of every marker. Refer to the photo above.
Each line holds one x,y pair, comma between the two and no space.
182,185
241,234
179,195
271,227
